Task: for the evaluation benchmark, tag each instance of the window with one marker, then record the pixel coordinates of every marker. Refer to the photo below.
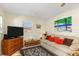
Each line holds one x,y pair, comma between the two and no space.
0,22
27,24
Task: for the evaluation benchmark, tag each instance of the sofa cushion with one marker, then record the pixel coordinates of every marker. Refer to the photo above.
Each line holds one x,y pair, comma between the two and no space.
47,37
75,41
63,48
60,41
59,47
50,38
67,41
56,39
74,46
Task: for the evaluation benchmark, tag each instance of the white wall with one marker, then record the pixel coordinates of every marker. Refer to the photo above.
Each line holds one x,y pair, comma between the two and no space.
35,33
1,31
75,23
8,21
12,20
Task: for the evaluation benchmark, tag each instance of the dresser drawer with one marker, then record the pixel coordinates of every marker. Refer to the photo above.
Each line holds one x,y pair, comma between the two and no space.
11,46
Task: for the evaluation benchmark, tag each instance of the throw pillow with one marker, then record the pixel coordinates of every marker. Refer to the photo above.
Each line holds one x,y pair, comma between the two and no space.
60,41
67,41
56,39
50,38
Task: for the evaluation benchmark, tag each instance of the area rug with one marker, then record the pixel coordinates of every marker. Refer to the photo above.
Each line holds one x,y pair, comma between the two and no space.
36,51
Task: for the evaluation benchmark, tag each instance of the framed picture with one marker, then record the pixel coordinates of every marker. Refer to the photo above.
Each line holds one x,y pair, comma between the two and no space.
38,26
64,24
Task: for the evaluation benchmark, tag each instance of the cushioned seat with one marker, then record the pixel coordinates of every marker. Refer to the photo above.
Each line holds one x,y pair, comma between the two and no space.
63,48
59,47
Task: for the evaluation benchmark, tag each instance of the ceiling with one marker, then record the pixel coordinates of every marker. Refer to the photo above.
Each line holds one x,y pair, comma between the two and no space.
40,10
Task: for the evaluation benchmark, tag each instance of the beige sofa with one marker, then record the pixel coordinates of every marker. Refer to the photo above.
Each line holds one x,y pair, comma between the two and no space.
58,49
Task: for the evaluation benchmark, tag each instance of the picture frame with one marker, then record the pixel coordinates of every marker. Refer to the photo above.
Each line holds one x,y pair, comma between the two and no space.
38,26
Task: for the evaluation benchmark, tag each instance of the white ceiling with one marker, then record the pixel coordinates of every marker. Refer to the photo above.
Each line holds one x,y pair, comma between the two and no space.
40,10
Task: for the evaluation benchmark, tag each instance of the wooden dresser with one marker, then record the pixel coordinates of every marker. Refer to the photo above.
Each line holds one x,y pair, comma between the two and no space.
10,46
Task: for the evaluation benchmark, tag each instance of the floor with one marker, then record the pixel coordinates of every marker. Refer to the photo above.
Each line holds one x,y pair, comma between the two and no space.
17,53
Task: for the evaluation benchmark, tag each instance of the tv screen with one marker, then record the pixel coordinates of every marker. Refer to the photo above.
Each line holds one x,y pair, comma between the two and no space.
14,31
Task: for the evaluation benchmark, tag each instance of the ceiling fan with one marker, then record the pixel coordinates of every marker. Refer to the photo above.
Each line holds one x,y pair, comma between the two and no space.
63,4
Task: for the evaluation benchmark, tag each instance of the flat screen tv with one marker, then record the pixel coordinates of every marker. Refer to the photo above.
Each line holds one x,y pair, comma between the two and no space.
14,31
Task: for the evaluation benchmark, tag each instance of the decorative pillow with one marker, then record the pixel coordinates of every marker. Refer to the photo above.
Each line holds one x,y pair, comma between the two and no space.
56,39
74,47
67,41
50,38
60,41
